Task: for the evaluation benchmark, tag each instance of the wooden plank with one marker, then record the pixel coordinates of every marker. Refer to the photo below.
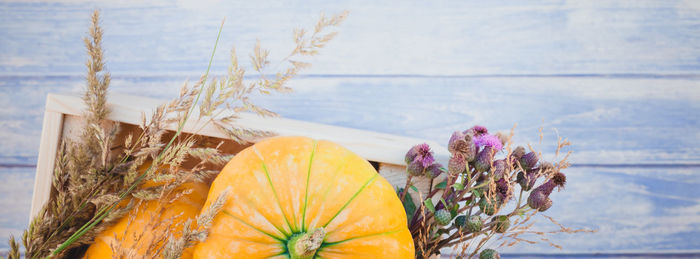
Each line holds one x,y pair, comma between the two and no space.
50,136
387,37
608,120
370,145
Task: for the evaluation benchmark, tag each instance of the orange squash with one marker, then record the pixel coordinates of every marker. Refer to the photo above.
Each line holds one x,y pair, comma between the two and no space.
143,230
293,197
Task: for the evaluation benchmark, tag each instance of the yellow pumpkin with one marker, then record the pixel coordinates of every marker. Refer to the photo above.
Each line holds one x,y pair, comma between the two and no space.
293,197
141,232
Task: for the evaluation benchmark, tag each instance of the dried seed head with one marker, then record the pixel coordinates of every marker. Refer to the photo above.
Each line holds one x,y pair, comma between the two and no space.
457,164
463,144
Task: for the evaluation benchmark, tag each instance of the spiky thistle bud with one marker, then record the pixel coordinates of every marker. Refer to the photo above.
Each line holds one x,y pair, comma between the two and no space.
483,159
487,206
474,224
434,170
499,169
461,221
443,217
539,197
516,155
527,180
489,254
529,160
502,223
503,190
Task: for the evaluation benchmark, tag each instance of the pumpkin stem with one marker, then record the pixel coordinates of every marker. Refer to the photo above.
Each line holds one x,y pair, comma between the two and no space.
304,245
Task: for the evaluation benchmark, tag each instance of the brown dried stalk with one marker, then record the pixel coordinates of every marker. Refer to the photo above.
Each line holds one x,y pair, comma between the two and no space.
92,172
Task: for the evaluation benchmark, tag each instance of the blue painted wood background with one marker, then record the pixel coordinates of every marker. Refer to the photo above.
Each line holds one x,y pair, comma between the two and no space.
620,79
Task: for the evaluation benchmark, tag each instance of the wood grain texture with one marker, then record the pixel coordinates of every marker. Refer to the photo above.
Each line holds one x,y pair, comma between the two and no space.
50,136
620,79
387,37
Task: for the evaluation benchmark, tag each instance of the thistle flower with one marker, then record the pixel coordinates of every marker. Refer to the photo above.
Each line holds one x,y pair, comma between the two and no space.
418,158
528,160
502,223
499,168
487,140
477,131
434,170
489,254
457,164
484,158
526,180
539,198
516,155
463,144
503,190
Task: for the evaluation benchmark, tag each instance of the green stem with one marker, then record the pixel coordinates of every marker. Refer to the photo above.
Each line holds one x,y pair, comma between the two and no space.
304,245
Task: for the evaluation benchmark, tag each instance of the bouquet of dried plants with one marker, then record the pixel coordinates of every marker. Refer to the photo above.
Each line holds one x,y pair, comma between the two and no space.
98,177
464,206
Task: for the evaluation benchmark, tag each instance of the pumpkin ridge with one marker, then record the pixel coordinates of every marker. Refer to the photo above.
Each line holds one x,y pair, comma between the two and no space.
251,226
351,199
329,244
332,180
306,193
281,230
277,198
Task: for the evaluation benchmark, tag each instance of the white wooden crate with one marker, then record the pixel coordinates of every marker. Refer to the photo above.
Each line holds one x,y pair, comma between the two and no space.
63,115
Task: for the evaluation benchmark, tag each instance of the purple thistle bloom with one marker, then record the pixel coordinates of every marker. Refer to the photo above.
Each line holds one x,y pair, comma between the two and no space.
503,190
419,157
477,131
487,140
539,197
499,167
420,153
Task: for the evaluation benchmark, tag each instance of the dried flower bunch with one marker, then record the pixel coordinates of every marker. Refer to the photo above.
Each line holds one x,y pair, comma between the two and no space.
463,208
99,177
